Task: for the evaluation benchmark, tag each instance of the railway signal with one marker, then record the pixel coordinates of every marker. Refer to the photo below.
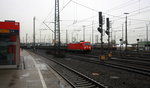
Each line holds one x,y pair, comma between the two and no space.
107,27
108,33
100,29
104,56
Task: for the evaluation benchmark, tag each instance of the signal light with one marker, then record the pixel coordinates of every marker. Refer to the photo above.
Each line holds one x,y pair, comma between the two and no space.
107,26
99,29
107,32
120,39
100,19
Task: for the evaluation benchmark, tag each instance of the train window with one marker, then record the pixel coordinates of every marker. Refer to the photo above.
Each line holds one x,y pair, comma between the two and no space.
87,44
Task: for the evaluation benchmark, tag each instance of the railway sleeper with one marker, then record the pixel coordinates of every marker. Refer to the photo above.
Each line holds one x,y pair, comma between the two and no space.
85,86
76,78
83,83
80,79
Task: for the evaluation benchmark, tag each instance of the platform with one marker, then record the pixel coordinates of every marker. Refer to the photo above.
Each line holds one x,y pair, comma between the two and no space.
31,75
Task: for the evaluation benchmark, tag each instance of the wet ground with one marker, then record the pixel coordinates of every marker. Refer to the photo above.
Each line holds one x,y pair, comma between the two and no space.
31,74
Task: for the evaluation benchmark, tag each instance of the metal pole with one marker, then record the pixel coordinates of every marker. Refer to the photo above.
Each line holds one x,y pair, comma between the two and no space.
101,30
120,46
108,32
34,33
147,33
40,36
92,32
44,38
72,37
57,27
111,37
23,40
137,45
126,38
52,38
77,37
26,38
66,36
102,43
83,33
115,38
90,38
126,33
122,33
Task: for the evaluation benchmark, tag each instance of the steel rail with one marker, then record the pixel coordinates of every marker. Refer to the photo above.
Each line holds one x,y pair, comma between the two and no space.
120,66
75,78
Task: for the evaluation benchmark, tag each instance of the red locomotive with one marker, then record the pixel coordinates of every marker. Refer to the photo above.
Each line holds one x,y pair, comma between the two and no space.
81,46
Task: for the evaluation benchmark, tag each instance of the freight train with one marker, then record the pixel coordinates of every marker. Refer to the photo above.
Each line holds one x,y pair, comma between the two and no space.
79,47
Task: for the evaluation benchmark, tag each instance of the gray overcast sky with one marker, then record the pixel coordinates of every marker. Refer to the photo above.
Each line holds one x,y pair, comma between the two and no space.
74,16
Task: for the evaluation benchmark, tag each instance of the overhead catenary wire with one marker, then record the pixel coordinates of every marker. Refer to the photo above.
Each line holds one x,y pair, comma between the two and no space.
126,4
65,5
48,27
87,8
84,6
140,12
50,13
130,15
53,14
82,20
94,10
97,11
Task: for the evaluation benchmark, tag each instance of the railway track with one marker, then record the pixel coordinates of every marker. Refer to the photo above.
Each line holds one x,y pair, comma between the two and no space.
73,77
138,62
133,60
130,54
125,66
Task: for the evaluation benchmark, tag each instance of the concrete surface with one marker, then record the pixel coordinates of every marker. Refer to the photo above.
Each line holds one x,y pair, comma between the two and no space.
32,74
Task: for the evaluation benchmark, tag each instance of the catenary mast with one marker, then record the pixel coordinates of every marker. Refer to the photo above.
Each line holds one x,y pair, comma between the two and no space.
57,26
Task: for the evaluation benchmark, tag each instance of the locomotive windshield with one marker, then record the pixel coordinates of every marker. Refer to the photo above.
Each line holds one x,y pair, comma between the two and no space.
87,44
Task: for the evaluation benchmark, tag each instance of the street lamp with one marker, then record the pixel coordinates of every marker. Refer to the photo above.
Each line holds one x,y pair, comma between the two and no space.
126,39
120,45
137,45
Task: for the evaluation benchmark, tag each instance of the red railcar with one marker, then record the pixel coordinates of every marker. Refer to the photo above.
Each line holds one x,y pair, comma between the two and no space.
9,44
81,46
